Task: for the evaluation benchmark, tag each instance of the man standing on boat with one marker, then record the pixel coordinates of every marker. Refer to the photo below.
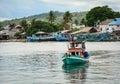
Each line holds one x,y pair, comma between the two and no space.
83,45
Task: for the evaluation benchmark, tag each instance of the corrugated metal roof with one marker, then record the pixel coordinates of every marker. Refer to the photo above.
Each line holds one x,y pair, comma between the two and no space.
106,22
86,29
118,19
115,22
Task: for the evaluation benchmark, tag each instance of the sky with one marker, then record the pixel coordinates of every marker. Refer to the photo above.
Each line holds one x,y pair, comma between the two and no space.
11,9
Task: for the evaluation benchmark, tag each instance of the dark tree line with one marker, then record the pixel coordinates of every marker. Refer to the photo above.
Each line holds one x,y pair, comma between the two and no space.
37,25
100,14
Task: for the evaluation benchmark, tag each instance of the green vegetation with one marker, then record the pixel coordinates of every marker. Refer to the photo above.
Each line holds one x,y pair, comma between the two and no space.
76,22
67,17
100,14
24,24
75,29
44,17
51,17
37,25
83,21
62,26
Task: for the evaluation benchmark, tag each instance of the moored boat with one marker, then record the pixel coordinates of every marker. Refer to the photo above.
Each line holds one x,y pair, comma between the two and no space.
63,35
41,36
75,54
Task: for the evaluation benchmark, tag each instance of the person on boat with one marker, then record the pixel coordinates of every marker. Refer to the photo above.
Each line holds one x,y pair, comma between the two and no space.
83,45
72,44
74,38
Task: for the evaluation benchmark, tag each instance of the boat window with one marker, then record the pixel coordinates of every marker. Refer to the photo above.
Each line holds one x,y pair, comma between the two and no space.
72,45
73,53
77,53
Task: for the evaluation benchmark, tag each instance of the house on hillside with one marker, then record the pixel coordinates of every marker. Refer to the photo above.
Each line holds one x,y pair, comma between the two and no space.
77,26
11,31
88,30
115,26
112,27
18,27
3,36
66,31
104,24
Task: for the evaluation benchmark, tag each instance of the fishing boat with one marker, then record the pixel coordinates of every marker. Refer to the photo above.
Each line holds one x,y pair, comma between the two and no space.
63,35
74,69
41,36
76,54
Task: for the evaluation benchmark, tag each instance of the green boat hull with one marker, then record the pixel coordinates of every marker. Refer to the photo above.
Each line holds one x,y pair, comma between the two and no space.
74,60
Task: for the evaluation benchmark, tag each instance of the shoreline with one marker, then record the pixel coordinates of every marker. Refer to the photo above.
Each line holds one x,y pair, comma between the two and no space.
25,40
14,40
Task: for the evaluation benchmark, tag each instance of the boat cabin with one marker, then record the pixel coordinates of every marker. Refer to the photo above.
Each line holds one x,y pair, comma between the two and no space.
75,48
76,44
76,51
41,34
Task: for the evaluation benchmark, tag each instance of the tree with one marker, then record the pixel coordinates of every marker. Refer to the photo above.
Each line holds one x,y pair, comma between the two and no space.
99,13
37,25
51,17
62,26
24,24
76,21
12,26
116,14
67,17
1,27
83,21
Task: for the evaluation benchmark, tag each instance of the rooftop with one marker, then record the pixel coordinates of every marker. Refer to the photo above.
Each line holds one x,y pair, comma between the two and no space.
115,22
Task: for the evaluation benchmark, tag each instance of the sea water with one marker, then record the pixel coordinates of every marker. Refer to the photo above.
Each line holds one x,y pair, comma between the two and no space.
41,63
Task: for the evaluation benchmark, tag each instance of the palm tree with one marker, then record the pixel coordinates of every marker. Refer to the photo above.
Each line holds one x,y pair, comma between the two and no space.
76,22
12,26
24,24
67,17
51,17
83,21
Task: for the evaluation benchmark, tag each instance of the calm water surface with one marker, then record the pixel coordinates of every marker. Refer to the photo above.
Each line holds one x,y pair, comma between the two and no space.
40,63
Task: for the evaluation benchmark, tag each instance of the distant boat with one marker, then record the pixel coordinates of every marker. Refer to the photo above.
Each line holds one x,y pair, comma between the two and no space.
41,36
98,37
63,35
75,54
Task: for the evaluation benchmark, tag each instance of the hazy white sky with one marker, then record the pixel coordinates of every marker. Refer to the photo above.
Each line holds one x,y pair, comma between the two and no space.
10,9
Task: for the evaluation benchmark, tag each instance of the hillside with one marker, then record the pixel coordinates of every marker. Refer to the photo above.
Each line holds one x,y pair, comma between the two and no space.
43,17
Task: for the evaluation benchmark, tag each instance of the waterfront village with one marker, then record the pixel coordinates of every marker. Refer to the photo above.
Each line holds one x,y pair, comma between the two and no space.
95,26
108,30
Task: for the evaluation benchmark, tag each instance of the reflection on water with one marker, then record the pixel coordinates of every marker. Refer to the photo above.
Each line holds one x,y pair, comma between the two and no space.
76,73
41,63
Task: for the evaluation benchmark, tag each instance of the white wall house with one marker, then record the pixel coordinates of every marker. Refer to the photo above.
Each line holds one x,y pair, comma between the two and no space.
112,26
77,26
115,24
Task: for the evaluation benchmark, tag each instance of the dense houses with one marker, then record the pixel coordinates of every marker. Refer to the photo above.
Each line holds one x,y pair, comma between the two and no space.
109,26
8,32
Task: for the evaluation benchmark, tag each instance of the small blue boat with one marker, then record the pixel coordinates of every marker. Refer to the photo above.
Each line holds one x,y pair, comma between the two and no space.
41,36
75,55
97,37
63,36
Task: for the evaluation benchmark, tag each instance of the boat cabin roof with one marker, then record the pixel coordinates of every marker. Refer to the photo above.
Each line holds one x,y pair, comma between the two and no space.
75,50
